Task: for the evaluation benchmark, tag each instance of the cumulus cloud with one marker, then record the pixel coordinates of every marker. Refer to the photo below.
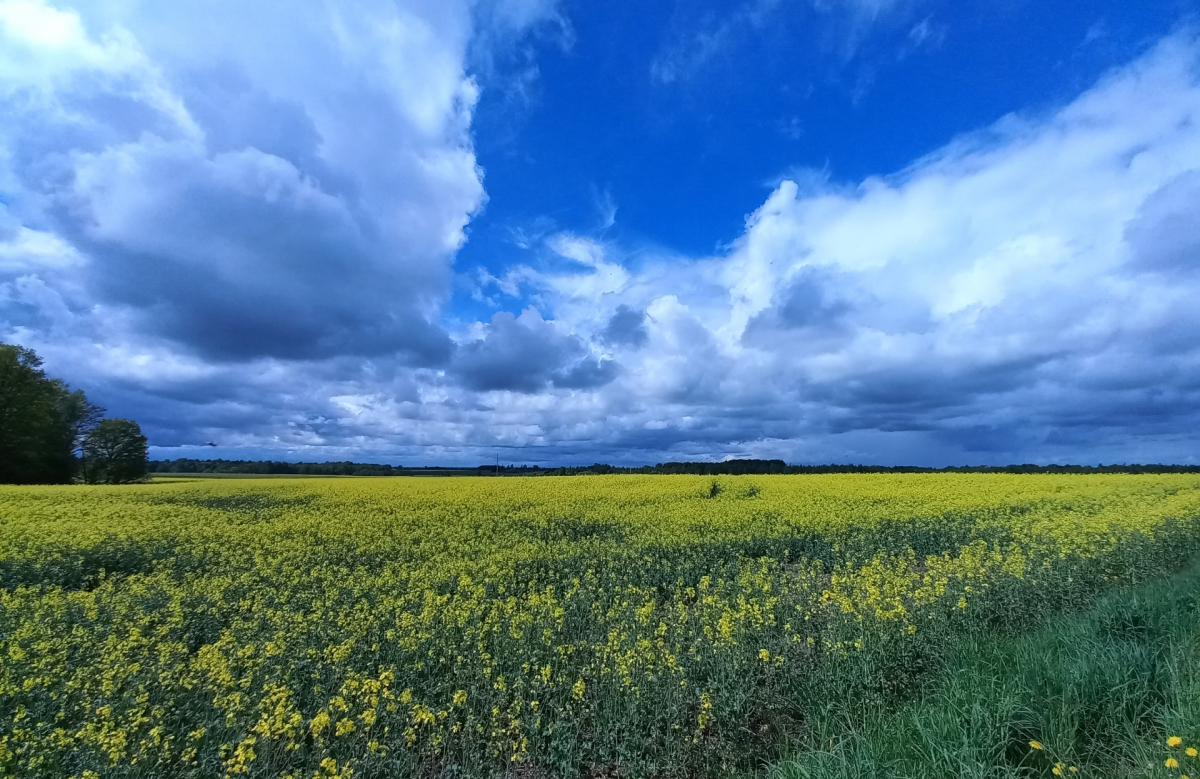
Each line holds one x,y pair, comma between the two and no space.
256,203
525,354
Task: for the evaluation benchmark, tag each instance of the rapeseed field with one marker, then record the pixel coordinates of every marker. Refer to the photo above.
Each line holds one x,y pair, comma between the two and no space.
536,627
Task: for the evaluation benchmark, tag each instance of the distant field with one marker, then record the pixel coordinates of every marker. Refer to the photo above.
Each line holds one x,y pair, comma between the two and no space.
603,626
416,473
175,477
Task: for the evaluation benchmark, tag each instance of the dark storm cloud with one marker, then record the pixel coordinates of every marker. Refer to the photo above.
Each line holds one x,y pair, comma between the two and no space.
627,327
936,383
240,256
1165,235
237,115
814,300
528,354
589,373
808,301
292,404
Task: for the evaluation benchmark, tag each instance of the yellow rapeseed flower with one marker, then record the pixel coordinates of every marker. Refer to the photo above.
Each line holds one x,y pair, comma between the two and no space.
290,613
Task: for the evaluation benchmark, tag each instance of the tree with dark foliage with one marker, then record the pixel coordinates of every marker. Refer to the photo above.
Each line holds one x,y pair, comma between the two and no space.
114,453
42,422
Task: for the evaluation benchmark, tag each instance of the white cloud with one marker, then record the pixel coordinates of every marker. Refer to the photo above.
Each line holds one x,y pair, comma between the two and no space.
697,42
26,250
43,43
606,208
264,179
925,33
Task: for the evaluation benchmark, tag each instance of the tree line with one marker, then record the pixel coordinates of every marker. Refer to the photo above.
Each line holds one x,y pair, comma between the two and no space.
725,468
759,467
274,467
51,434
184,465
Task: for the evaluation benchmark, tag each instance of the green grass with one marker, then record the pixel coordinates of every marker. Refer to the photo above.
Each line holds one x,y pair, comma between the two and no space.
1101,690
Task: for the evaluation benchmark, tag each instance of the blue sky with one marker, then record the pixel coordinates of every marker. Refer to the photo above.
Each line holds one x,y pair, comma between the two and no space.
877,231
685,137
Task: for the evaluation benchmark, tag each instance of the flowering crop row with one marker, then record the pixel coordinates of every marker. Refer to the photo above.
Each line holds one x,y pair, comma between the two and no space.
619,625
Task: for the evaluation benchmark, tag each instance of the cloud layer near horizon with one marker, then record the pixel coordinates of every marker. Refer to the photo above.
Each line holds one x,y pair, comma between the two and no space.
256,247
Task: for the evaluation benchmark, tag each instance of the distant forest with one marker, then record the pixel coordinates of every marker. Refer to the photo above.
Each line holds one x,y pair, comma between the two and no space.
728,467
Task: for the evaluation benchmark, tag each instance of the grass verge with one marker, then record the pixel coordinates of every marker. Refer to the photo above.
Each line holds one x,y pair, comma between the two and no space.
1100,692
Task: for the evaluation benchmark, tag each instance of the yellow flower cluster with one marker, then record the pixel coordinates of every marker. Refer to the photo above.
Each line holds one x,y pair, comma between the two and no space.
1060,768
327,627
1173,743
